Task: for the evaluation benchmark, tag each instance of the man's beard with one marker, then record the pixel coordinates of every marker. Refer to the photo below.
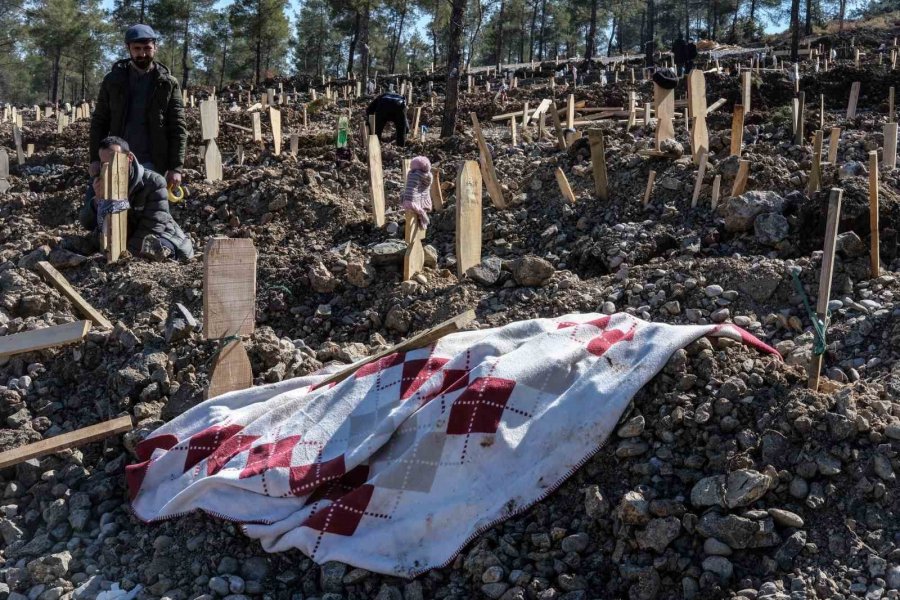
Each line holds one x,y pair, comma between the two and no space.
142,62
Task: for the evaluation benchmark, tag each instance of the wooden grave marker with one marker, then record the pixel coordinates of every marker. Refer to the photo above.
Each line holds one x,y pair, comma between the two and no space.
696,111
489,174
45,337
275,121
437,194
212,161
854,98
745,91
557,125
891,105
889,159
209,120
714,195
799,136
647,192
413,234
376,180
257,127
468,217
831,231
57,280
815,172
737,129
65,441
570,112
598,163
740,180
295,143
701,172
564,187
833,144
874,233
17,140
664,103
114,235
4,171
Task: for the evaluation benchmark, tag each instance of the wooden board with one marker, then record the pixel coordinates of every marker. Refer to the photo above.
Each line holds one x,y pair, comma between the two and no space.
740,180
833,144
376,181
714,195
230,371
745,91
239,154
889,159
468,217
649,189
570,112
212,160
541,109
854,98
664,104
737,130
564,187
4,164
598,163
799,135
275,120
815,171
295,144
825,277
701,171
73,439
437,195
116,188
874,248
414,258
47,337
697,114
56,279
420,340
488,173
716,105
209,119
257,127
560,138
229,288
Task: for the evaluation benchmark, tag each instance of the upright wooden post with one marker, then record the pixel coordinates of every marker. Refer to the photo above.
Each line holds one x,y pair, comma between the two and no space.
649,189
570,112
890,146
229,310
114,234
257,127
745,90
437,195
822,112
815,172
376,180
740,180
854,98
697,112
891,104
560,138
874,249
737,129
664,103
275,121
598,162
831,230
801,118
564,188
704,157
468,217
714,195
212,160
512,131
487,166
4,171
833,144
17,140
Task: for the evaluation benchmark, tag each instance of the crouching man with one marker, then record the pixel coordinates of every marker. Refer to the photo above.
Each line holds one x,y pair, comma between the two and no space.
152,231
389,108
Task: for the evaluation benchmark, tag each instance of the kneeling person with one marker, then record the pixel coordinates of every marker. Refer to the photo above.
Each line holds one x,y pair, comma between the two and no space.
389,108
152,231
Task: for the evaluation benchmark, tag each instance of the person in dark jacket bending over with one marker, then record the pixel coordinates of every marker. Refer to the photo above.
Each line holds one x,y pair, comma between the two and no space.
152,232
679,54
389,108
140,102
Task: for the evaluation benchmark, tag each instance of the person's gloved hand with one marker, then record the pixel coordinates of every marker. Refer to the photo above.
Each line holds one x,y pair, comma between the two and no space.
173,178
97,184
94,169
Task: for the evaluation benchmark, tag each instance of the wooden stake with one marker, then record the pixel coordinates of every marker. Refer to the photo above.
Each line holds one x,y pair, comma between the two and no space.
512,131
815,172
891,104
890,146
833,144
487,166
822,112
295,143
46,337
745,90
875,246
714,196
649,189
437,195
696,110
740,180
737,129
115,187
468,217
257,127
854,97
209,120
56,279
564,187
275,120
570,112
560,138
65,441
376,180
664,103
598,162
704,157
831,230
799,137
212,160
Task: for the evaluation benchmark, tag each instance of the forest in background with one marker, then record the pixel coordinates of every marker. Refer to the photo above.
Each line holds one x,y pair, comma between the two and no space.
59,50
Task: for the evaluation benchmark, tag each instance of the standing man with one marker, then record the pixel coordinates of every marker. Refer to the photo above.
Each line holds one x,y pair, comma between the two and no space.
690,56
679,54
140,101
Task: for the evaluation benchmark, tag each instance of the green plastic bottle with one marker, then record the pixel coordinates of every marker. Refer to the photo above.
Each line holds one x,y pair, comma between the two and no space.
343,128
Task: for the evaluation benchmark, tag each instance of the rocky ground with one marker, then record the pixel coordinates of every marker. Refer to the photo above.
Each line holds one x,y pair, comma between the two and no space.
727,477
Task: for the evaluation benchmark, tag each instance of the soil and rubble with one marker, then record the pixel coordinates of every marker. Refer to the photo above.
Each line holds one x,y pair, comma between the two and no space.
727,478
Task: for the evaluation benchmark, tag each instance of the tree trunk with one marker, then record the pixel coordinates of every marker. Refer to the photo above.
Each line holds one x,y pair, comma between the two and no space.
531,35
364,40
651,31
143,9
591,40
543,29
498,47
807,29
353,40
395,44
842,12
522,34
475,33
222,70
687,19
448,122
185,49
434,44
612,34
737,9
795,29
715,20
55,75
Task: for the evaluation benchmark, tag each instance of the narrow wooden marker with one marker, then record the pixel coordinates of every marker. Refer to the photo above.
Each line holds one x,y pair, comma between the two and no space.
737,129
488,172
275,120
696,111
416,131
815,172
874,233
229,310
257,127
560,138
570,112
799,136
65,441
564,187
891,104
854,98
714,195
889,159
664,103
833,144
209,120
17,140
822,112
468,217
4,171
56,279
831,230
114,176
740,180
701,172
598,162
512,131
745,90
40,339
649,189
376,180
437,195
240,154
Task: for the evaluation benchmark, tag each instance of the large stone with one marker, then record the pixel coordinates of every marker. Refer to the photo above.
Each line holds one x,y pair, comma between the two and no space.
361,274
659,533
709,491
321,280
850,245
398,319
634,509
390,252
737,532
744,487
486,273
531,270
740,212
48,569
771,228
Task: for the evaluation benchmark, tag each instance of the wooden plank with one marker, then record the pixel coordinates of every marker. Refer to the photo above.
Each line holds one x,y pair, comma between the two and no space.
854,98
73,439
833,144
488,173
209,119
564,187
701,171
541,109
414,258
649,189
889,159
257,127
39,339
714,196
376,181
437,195
4,164
239,154
560,138
56,279
512,131
740,180
230,370
295,144
241,127
275,120
831,230
212,160
468,217
891,104
799,136
815,172
598,162
874,233
570,112
697,112
229,288
737,130
664,103
420,340
416,131
116,188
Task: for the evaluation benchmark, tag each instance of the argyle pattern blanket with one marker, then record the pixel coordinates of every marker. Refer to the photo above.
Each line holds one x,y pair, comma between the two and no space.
399,466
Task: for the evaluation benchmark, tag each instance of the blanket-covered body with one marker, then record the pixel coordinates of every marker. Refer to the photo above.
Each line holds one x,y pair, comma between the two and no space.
397,467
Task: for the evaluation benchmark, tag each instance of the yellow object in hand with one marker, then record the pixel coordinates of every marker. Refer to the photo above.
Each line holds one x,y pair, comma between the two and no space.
176,195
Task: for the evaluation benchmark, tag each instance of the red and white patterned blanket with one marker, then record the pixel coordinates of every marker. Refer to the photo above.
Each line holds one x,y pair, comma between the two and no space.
395,469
